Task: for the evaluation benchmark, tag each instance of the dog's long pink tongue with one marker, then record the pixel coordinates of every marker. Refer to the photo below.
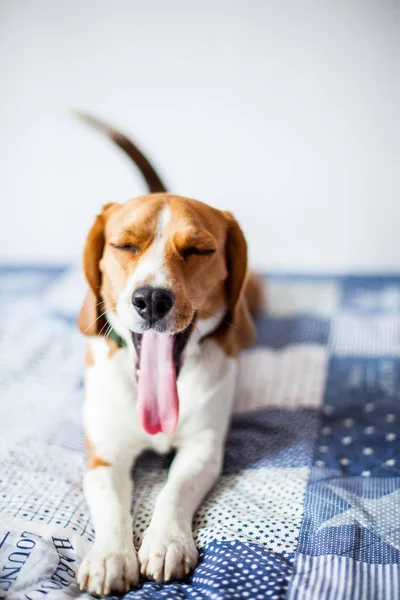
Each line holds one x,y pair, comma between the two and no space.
158,404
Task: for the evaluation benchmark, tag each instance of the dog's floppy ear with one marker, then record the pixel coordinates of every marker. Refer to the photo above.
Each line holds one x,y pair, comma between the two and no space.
237,330
89,320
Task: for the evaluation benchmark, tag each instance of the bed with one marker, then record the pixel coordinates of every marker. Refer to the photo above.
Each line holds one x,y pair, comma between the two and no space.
308,505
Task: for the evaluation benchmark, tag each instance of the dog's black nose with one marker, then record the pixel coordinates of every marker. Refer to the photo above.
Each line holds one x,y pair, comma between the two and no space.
151,303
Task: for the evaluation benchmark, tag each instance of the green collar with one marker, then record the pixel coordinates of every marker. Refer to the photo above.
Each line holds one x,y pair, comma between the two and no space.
121,343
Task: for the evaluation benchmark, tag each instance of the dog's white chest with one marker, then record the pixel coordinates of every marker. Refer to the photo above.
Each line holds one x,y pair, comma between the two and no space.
205,388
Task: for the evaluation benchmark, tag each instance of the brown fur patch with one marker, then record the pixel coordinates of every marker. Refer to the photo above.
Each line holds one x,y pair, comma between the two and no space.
112,349
89,361
93,461
254,294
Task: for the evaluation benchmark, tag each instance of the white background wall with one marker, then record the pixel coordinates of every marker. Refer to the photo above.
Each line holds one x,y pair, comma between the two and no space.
284,112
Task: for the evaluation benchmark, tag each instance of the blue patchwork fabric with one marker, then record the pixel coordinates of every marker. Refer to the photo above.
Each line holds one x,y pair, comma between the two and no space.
308,504
364,509
358,434
369,295
228,570
300,329
275,440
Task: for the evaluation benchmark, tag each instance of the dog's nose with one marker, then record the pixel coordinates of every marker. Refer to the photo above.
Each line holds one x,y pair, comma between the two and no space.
151,303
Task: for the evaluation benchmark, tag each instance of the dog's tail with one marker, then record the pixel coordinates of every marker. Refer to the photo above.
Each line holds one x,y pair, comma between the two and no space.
151,177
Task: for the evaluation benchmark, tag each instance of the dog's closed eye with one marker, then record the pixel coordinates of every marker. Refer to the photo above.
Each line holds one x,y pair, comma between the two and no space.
126,247
192,251
192,242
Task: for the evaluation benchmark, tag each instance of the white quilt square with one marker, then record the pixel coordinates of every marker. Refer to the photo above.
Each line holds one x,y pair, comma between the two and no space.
293,377
287,298
369,335
263,506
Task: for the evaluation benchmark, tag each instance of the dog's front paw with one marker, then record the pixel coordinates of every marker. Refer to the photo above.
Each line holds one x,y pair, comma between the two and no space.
167,554
104,571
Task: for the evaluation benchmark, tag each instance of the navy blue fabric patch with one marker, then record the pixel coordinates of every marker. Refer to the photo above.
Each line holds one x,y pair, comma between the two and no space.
150,461
228,571
270,438
281,332
359,427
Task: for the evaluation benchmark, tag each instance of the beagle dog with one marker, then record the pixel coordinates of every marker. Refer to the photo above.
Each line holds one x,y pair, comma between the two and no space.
168,307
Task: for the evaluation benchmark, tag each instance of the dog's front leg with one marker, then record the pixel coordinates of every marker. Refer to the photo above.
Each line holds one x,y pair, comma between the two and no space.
113,444
167,550
112,564
207,387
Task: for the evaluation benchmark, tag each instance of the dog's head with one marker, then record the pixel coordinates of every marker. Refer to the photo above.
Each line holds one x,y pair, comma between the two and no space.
156,265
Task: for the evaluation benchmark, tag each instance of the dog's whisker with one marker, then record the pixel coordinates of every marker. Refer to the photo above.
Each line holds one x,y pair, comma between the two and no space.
89,326
106,324
112,303
107,334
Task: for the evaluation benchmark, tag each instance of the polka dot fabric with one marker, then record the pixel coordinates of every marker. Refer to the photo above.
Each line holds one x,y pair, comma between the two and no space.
264,506
359,428
229,571
237,570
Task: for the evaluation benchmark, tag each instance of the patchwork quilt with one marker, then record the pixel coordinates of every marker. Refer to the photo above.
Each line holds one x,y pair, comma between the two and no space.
308,506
